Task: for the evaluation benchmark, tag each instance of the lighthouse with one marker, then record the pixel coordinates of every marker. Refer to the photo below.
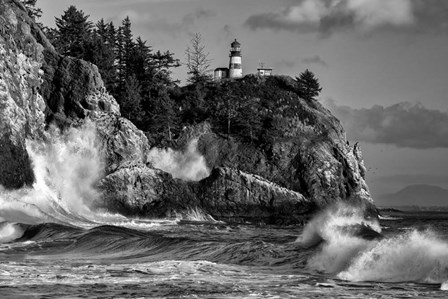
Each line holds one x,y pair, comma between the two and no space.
235,68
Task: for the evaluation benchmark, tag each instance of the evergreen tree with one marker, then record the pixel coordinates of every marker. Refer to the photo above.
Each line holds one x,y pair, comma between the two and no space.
308,85
197,60
161,64
131,99
110,37
74,32
140,61
125,51
128,46
102,55
164,119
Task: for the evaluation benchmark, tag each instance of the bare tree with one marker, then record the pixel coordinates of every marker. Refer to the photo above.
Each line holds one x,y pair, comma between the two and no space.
198,63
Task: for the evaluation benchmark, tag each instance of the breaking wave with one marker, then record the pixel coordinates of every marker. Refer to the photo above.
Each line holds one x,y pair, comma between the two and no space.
9,232
67,168
353,248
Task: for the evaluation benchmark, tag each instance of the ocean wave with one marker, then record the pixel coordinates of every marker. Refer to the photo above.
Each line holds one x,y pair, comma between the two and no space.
353,248
9,232
419,256
389,218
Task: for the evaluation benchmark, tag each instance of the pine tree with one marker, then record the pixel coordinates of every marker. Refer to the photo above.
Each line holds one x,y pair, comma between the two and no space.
130,101
308,85
74,32
197,60
99,52
140,62
163,115
128,46
161,64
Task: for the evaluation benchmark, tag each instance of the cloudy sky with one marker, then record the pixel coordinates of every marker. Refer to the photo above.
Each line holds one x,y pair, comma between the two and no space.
382,63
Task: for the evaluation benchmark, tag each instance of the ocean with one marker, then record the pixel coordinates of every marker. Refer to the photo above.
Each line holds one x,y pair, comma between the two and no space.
337,254
57,242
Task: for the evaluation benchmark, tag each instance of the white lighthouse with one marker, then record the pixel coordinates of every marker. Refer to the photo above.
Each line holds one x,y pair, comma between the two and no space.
235,68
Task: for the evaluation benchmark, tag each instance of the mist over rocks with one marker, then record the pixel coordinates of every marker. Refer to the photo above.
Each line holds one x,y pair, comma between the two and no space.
301,163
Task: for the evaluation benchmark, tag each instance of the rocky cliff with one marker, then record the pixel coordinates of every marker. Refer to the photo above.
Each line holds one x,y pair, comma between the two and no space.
306,164
301,147
40,87
21,105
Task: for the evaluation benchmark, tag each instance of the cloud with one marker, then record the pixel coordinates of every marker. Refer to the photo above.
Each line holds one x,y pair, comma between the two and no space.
403,125
285,63
99,3
228,31
161,24
136,17
328,16
197,15
315,60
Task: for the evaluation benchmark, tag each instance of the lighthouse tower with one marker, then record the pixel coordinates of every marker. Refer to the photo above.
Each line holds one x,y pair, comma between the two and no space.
235,68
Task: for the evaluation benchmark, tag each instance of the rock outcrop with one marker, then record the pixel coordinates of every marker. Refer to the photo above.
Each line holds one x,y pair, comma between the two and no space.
232,194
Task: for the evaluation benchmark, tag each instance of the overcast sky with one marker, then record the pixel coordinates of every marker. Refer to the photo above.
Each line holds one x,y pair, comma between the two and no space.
382,64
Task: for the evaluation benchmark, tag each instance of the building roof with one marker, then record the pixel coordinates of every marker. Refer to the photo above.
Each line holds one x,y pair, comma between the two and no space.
222,69
235,44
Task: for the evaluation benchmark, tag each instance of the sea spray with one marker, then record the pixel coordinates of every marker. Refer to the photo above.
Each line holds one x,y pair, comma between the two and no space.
419,256
188,165
70,164
66,169
9,232
338,230
197,215
347,246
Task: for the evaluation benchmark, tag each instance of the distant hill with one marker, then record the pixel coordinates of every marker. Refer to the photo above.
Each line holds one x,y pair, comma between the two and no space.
415,195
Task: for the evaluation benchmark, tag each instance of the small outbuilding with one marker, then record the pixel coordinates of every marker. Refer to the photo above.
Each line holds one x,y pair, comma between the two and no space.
221,73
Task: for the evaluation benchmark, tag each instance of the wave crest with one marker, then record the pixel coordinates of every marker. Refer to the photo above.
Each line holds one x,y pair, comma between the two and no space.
352,247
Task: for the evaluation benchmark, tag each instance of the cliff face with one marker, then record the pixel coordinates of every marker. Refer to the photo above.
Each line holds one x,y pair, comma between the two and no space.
21,106
39,87
305,164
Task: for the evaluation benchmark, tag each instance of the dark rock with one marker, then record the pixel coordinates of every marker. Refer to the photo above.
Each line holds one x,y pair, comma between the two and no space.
143,191
230,193
73,88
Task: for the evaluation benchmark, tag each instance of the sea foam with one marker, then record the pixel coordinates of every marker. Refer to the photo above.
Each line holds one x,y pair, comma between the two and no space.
66,168
187,165
417,256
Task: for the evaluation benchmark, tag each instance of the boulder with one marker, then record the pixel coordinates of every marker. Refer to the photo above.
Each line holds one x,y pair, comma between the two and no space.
143,191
